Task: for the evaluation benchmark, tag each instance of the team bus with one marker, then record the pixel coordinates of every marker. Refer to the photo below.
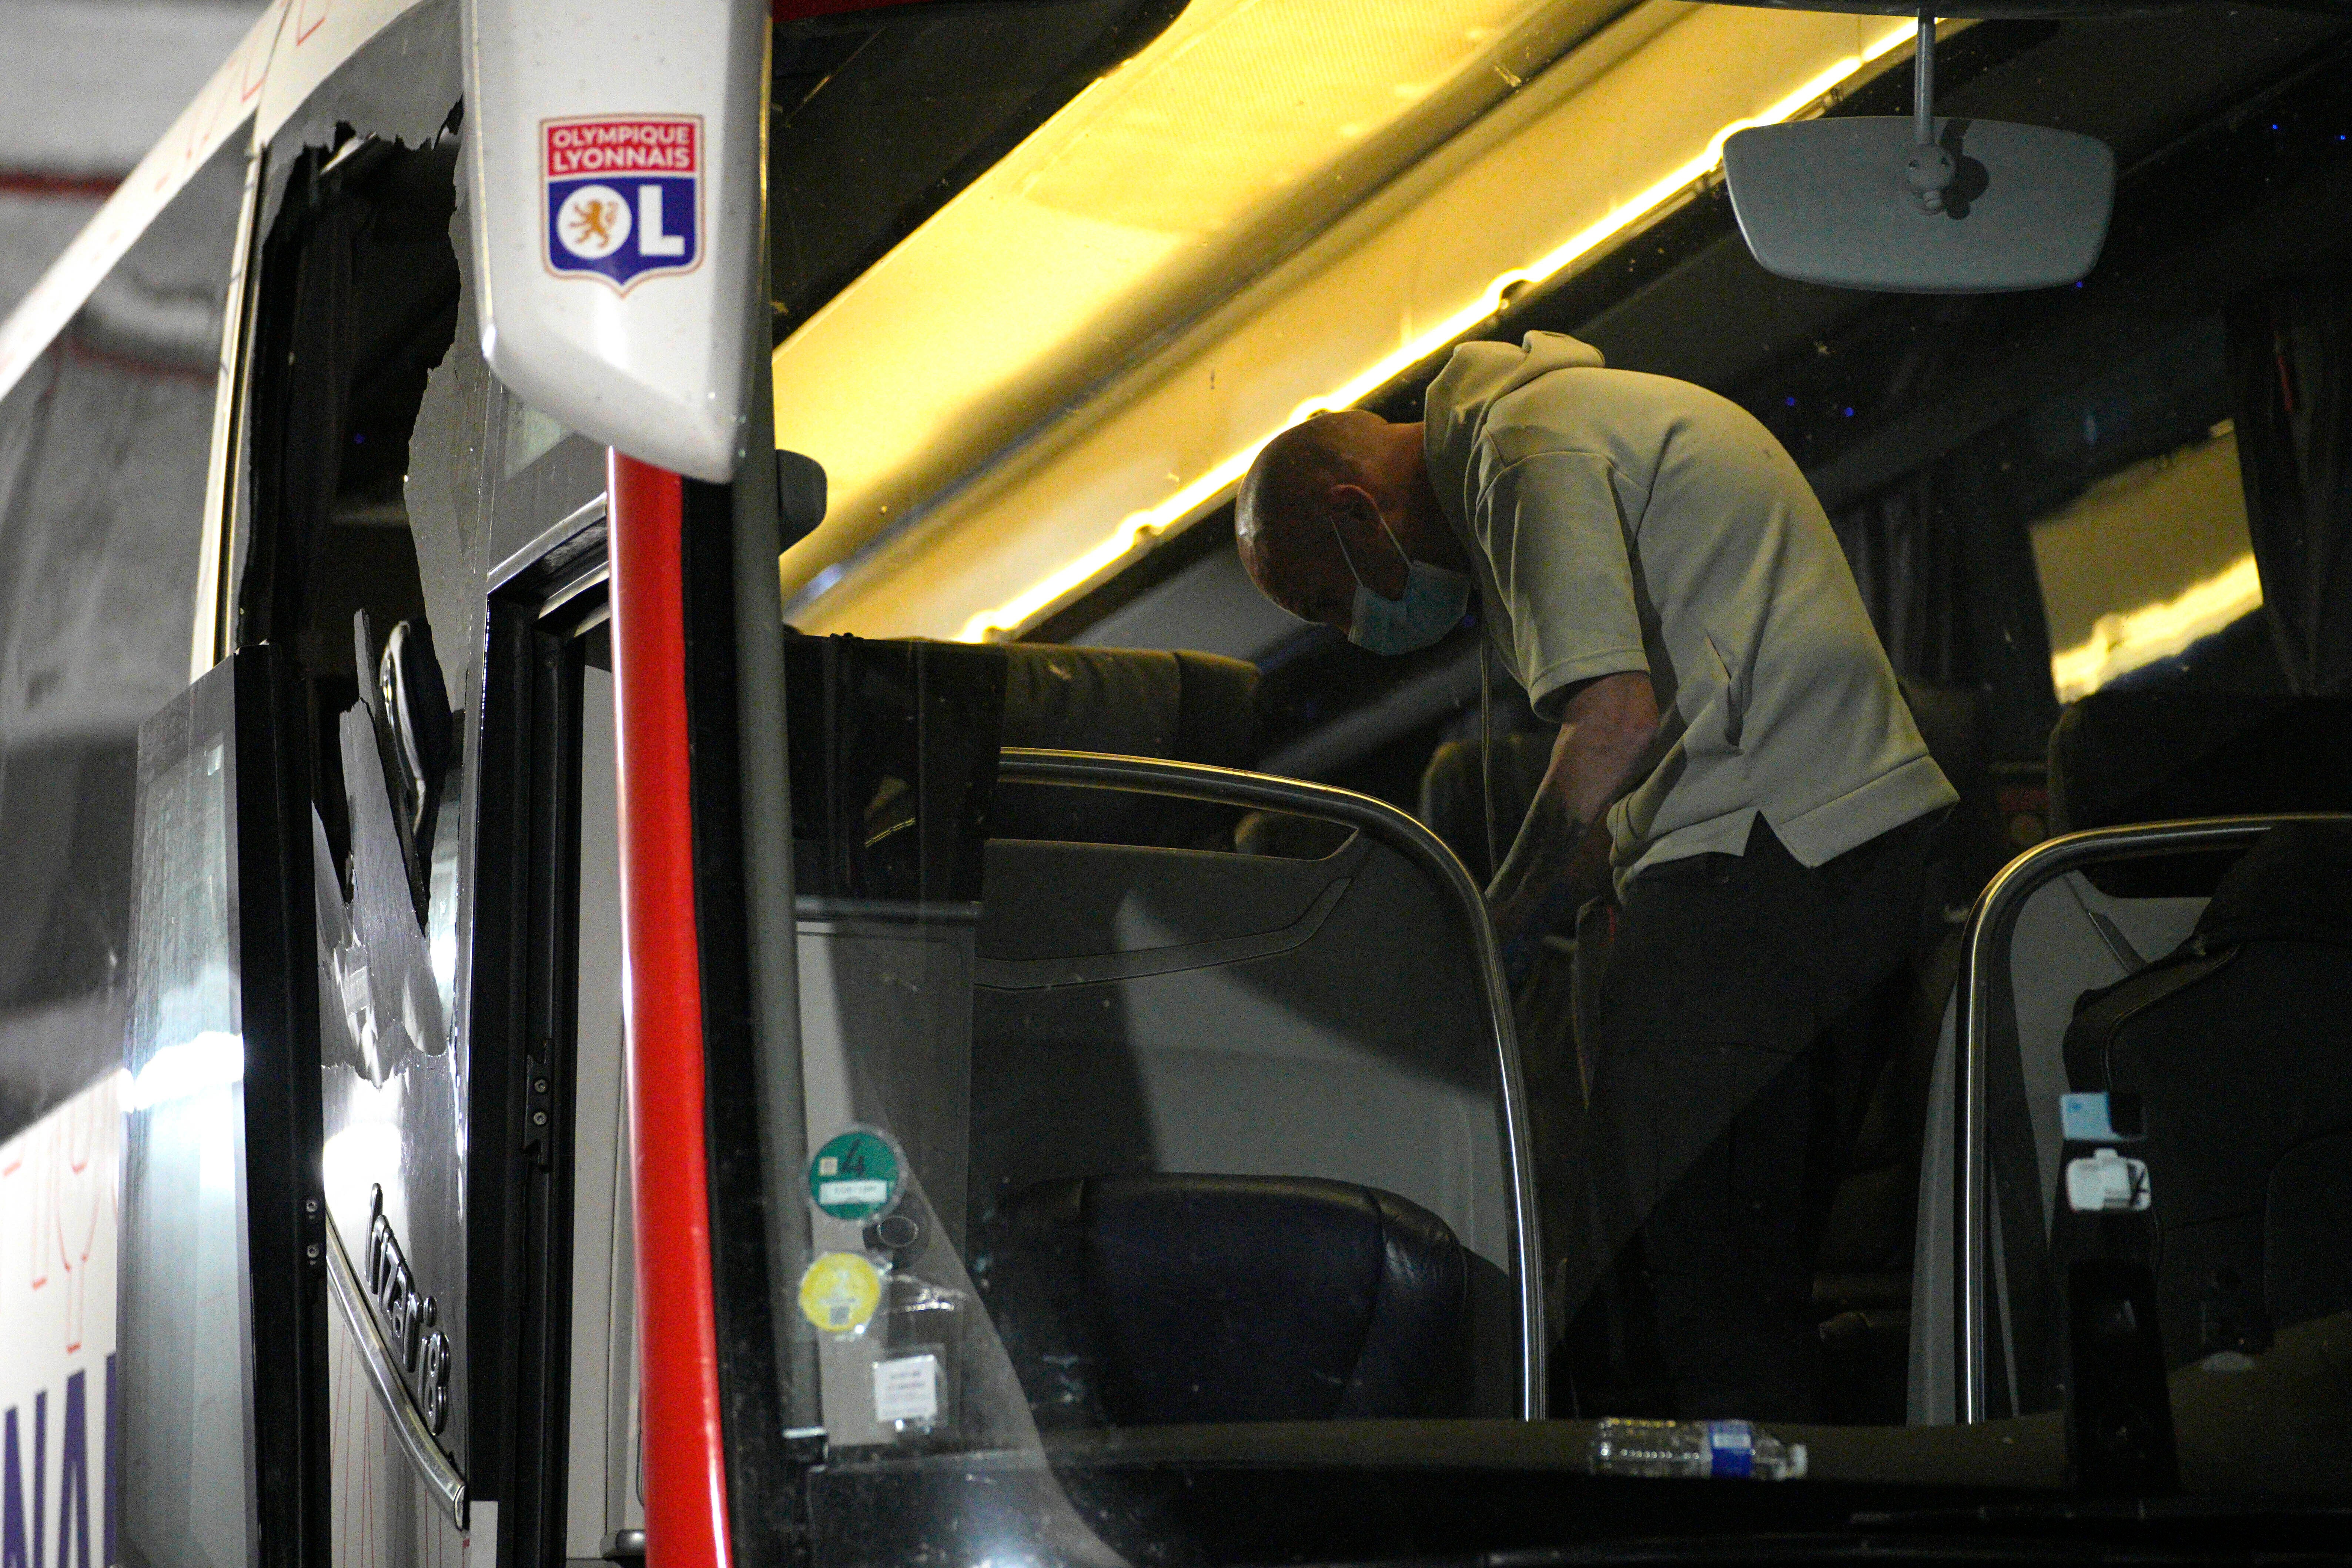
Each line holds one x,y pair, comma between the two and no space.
667,899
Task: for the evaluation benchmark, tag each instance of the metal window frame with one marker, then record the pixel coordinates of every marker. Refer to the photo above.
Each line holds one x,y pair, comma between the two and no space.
1385,822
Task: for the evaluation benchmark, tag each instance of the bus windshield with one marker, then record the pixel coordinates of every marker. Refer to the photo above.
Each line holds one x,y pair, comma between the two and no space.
1194,1150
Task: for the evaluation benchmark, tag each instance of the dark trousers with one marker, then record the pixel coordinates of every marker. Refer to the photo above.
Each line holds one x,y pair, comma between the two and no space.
1694,1247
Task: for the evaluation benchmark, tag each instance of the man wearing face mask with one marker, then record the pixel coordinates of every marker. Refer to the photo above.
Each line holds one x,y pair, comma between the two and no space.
1734,751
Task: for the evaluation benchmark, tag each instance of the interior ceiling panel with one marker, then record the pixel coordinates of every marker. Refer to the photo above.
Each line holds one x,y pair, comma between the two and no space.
1866,388
880,117
1103,402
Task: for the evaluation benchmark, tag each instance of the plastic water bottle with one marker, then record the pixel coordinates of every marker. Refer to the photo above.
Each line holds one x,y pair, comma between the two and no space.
1693,1448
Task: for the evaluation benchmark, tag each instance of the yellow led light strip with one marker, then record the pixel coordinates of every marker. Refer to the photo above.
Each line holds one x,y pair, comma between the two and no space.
2124,642
1139,528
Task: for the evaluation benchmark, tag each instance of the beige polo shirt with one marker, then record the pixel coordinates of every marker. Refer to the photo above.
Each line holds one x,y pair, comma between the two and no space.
1620,521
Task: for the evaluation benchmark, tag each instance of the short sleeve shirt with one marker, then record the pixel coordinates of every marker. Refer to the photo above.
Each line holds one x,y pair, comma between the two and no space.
1620,521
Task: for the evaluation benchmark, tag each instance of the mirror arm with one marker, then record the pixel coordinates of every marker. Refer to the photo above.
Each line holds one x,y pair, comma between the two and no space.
1923,81
1930,170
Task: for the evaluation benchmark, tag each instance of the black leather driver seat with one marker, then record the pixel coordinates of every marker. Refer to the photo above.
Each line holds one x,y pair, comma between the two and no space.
2239,1047
1152,1300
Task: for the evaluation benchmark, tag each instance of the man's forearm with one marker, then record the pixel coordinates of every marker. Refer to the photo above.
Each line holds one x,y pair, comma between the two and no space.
1561,856
1551,858
1555,863
1606,735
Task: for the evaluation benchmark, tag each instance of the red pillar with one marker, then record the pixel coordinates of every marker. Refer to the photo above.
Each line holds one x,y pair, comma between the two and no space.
685,1461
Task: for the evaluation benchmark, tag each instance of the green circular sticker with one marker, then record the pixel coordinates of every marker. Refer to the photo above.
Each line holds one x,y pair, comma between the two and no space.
856,1176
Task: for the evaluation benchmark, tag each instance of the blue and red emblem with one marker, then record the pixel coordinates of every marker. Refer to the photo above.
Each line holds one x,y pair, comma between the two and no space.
624,195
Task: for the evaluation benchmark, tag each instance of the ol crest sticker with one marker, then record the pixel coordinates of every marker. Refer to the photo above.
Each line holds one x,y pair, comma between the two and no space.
624,195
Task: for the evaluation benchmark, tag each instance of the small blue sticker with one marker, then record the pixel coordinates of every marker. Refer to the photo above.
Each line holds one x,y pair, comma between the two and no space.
2085,1119
1732,1446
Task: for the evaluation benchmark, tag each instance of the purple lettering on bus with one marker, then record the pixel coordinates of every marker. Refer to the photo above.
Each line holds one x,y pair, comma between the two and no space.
12,1498
73,1475
40,1470
114,1443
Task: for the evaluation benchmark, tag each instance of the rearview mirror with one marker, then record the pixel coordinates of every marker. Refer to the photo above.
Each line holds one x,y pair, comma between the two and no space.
1850,203
1921,205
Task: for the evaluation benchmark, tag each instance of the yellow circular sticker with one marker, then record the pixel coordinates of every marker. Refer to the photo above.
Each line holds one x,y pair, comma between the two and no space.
840,1292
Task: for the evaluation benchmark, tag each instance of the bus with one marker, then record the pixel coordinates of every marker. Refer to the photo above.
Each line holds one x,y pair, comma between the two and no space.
671,902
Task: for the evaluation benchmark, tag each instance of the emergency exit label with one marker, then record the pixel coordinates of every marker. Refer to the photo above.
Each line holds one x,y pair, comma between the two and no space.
624,196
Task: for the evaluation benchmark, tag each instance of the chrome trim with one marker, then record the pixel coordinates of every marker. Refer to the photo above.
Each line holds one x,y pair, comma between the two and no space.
809,907
595,576
424,1456
586,515
1230,787
1992,924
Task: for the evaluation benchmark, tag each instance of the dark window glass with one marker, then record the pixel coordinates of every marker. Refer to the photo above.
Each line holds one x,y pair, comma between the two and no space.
103,451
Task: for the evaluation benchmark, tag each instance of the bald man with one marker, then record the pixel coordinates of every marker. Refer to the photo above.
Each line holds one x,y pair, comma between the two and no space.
1734,754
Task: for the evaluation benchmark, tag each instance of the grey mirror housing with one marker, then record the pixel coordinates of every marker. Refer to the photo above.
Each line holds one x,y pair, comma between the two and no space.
800,496
1986,207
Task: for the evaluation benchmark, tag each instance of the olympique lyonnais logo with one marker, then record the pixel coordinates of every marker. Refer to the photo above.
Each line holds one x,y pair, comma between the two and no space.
624,196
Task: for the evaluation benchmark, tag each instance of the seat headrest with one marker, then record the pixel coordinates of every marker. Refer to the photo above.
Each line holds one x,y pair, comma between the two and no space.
2295,885
1189,706
1178,1298
2148,757
1449,804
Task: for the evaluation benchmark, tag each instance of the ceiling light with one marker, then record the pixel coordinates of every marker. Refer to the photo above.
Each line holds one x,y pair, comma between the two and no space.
1138,529
1021,396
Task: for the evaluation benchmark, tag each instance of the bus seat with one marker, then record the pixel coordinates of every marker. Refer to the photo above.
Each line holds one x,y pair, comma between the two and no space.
2071,935
1150,1301
883,713
1449,805
1147,1012
1186,707
2155,755
2240,1050
1142,1010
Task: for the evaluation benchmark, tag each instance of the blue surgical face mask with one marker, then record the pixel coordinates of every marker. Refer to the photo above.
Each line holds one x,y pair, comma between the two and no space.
1434,602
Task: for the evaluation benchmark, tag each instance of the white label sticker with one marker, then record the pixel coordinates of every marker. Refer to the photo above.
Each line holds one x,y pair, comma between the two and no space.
852,1193
906,1389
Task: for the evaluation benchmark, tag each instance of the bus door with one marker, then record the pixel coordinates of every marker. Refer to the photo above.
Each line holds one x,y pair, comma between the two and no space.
225,1248
387,485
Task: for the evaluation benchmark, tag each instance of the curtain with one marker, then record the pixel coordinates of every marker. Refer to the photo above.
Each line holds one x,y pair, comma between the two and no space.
1901,548
2288,346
